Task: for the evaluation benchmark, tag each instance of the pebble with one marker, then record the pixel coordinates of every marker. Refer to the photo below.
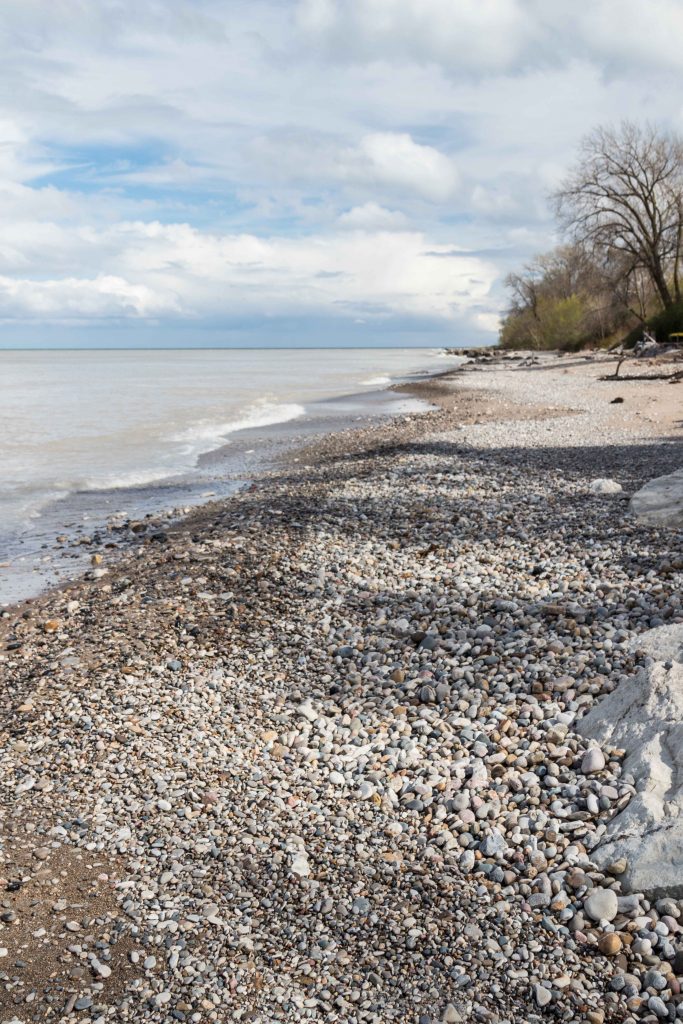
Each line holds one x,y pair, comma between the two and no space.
593,761
452,1015
102,970
601,904
658,1006
542,995
605,486
325,734
300,865
493,844
467,861
610,944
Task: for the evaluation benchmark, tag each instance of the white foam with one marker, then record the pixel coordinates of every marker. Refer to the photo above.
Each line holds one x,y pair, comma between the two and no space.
204,436
29,499
136,478
376,382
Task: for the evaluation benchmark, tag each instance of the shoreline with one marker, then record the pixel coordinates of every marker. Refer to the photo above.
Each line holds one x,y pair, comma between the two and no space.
67,531
291,759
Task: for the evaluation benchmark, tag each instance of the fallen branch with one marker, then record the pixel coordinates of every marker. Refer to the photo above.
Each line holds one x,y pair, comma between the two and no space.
616,372
671,377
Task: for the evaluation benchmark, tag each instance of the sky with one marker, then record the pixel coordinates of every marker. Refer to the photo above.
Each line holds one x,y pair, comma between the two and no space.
299,172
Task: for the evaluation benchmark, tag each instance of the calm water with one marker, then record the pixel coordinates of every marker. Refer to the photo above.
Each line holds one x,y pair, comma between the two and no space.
83,434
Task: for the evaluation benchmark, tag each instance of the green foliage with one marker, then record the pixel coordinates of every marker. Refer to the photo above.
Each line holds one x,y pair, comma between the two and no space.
563,323
562,299
667,322
518,330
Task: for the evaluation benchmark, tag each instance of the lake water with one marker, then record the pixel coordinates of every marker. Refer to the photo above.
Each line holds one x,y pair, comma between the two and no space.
84,434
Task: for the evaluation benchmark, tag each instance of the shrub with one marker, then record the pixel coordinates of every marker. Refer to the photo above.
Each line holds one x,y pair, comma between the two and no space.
661,325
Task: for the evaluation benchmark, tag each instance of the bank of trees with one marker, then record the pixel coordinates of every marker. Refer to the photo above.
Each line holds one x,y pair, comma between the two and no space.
620,211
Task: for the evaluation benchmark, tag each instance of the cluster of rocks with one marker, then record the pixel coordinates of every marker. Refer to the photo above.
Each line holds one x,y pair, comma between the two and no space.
327,738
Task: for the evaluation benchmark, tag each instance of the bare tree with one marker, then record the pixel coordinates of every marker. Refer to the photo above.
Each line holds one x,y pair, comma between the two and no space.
624,201
562,297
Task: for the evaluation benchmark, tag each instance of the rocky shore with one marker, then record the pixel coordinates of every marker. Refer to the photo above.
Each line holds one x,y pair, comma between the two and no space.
316,753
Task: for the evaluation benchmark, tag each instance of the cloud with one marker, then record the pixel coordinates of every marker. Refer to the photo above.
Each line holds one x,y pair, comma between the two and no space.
501,37
83,299
190,159
466,35
394,159
624,34
372,216
491,202
489,322
177,270
378,163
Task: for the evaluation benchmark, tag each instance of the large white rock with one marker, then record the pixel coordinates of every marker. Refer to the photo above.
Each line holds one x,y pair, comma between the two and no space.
644,716
660,501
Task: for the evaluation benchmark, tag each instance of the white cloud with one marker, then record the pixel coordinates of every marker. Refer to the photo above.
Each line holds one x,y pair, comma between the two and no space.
372,216
394,159
378,163
104,296
206,158
487,322
175,269
492,202
461,34
484,37
628,33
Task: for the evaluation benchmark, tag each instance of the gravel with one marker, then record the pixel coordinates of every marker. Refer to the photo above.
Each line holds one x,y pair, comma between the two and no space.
312,756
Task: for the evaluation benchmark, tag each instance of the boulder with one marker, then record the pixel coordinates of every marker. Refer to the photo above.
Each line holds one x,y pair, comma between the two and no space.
660,501
644,716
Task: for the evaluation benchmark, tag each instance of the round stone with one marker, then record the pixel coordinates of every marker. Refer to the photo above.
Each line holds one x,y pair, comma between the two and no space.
610,944
593,761
601,904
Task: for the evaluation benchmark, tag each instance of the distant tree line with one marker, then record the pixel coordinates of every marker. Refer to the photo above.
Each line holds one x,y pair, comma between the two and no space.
620,211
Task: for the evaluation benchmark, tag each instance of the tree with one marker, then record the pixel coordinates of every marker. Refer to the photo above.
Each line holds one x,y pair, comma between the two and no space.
624,202
562,299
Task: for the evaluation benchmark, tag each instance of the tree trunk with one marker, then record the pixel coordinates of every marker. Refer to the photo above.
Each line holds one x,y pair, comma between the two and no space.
677,254
660,283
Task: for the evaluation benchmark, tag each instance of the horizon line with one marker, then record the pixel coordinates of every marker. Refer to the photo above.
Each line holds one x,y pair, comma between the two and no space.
225,348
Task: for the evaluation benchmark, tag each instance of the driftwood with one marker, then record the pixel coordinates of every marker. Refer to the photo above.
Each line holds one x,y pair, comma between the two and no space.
673,378
616,372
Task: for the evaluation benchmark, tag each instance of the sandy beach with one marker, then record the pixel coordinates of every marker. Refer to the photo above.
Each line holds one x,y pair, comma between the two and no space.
311,753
